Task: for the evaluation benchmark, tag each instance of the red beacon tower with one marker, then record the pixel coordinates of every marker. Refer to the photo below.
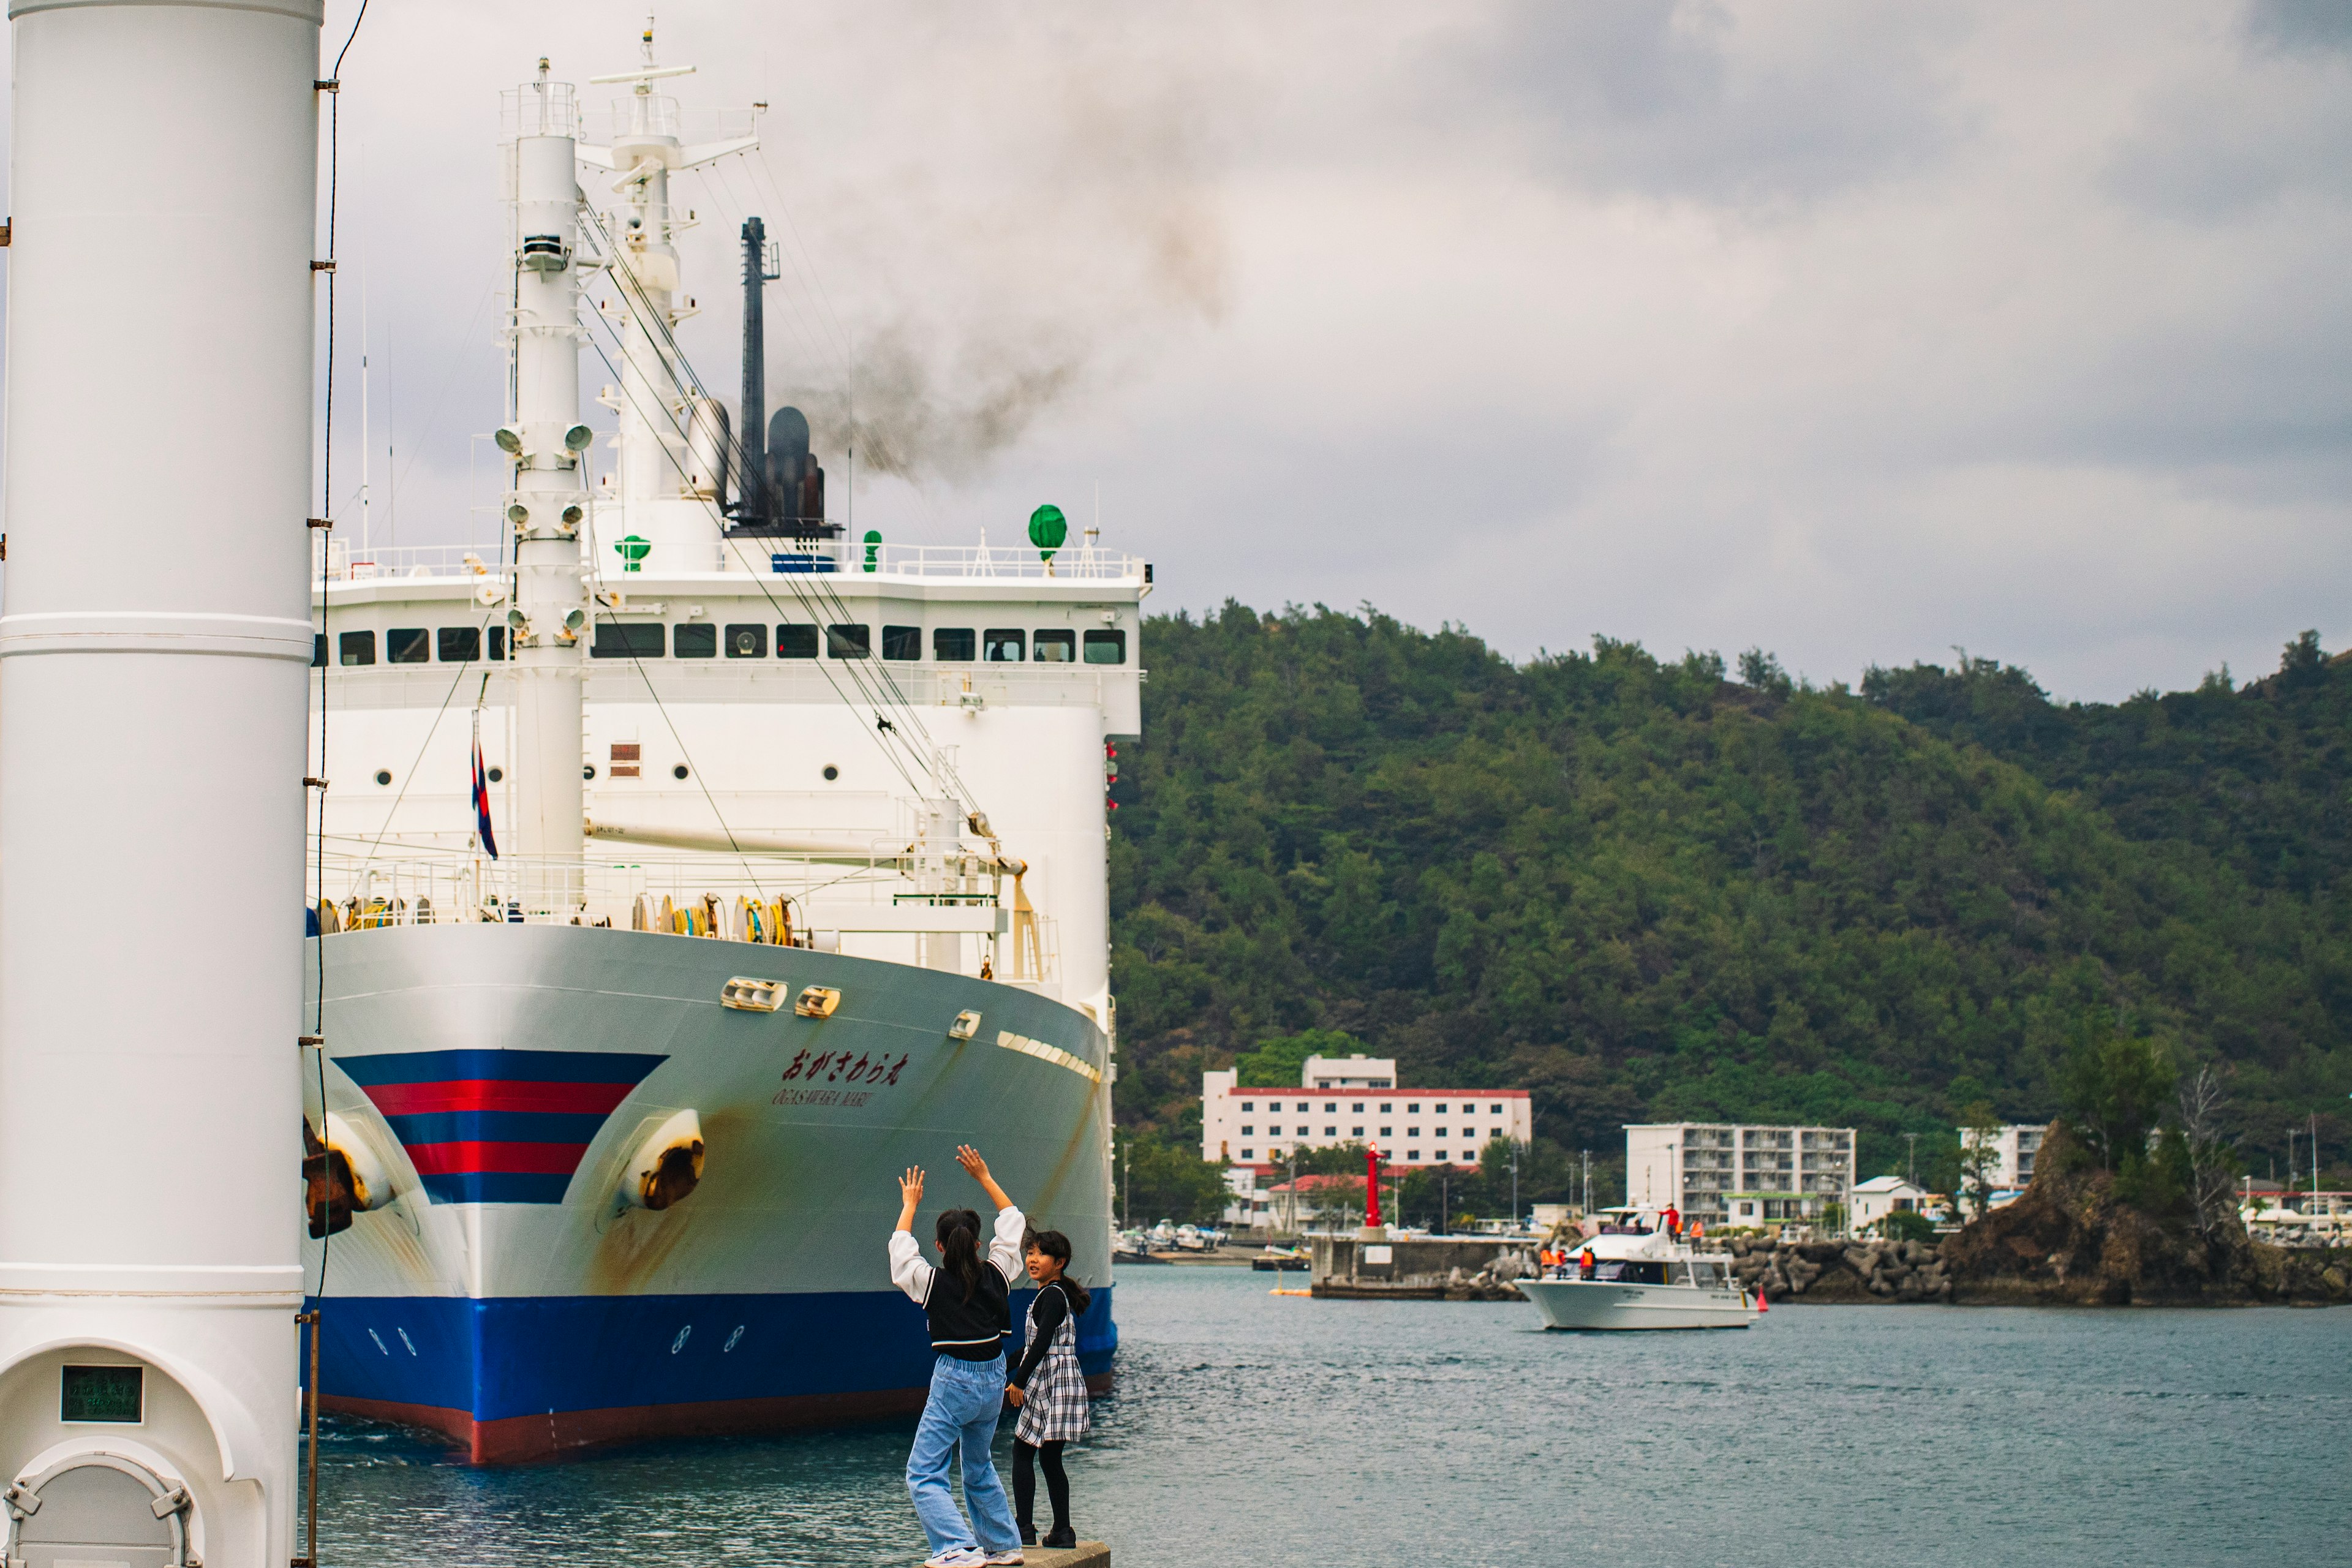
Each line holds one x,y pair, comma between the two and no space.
1374,1229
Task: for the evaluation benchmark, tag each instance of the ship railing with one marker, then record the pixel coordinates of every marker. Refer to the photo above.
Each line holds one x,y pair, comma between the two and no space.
811,898
1083,563
342,559
346,561
540,109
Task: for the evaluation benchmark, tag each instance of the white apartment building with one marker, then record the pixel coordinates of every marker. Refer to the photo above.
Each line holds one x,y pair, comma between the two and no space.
1731,1173
1412,1127
2015,1144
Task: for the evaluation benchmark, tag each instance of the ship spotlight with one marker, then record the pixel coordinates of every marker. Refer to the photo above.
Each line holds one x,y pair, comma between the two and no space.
573,620
570,517
517,514
666,1166
510,440
578,437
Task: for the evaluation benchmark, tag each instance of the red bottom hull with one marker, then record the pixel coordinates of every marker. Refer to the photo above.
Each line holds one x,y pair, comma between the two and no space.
520,1439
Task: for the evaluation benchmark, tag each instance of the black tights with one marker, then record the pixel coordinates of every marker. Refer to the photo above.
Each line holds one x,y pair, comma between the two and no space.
1048,1456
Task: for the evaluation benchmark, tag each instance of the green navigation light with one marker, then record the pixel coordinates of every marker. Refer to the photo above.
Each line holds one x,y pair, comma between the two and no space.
631,551
1048,528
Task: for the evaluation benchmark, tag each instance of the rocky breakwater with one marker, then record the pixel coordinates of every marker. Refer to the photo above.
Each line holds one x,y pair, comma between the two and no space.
1841,1271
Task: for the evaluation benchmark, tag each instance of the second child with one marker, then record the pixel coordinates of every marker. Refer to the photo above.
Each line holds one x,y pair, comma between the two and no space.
1049,1387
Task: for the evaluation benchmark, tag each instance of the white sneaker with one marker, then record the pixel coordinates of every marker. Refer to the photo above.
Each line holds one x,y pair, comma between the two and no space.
956,1557
1009,1558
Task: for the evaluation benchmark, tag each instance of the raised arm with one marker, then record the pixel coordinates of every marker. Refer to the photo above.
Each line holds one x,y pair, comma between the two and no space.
968,1157
907,1270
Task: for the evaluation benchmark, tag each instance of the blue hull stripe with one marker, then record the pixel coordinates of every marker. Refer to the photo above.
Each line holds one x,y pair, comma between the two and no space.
526,1355
526,1067
496,1127
496,1187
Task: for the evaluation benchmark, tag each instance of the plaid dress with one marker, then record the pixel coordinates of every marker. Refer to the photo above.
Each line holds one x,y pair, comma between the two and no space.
1053,1405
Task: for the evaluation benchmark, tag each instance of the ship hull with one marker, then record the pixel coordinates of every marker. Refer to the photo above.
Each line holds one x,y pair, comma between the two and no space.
1607,1305
508,1082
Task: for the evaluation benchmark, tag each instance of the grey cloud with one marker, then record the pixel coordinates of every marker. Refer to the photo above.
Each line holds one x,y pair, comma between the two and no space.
1683,99
2300,24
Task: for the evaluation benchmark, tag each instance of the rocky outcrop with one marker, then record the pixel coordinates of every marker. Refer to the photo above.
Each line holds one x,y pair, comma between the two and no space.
2071,1240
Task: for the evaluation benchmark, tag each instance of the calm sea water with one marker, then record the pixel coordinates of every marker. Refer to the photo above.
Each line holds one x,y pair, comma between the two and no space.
1250,1428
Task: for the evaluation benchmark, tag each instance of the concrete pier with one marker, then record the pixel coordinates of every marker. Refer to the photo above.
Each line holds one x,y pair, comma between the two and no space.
1419,1269
1085,1554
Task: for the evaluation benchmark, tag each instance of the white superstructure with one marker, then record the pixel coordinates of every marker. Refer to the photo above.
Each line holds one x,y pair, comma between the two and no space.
163,166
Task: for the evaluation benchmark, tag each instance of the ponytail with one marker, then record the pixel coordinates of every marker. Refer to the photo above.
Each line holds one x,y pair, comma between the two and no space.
958,1237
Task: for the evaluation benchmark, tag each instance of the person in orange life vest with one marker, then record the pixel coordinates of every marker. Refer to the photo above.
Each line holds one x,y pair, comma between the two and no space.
1585,1268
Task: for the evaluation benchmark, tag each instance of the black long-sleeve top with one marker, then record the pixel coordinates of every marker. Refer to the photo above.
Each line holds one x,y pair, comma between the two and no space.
1045,1315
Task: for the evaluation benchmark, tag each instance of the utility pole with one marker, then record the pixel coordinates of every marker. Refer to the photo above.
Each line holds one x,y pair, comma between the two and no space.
2291,1136
1126,1187
1588,1182
1913,1140
1515,1187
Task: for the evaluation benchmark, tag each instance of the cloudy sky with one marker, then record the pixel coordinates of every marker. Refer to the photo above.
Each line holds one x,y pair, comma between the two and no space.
1856,331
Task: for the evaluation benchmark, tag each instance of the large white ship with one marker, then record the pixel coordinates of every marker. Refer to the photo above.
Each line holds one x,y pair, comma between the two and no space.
800,878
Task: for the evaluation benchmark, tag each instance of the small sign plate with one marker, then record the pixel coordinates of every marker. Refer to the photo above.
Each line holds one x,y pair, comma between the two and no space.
111,1394
1380,1255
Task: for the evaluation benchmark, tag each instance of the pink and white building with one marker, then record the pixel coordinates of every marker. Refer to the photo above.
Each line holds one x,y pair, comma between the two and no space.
1353,1100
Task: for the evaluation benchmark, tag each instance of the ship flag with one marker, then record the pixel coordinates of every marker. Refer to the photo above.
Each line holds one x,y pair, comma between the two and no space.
482,794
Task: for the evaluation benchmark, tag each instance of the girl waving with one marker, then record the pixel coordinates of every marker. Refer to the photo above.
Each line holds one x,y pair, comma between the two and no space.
967,1300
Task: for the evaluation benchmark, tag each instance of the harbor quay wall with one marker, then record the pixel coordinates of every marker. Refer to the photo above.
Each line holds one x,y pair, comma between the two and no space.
1432,1268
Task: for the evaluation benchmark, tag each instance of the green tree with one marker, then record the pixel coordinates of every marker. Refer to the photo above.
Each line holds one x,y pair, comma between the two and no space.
2116,1085
1162,1180
1979,1155
1276,1063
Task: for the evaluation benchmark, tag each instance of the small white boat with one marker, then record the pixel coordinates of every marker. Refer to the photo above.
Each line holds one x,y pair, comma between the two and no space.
1640,1277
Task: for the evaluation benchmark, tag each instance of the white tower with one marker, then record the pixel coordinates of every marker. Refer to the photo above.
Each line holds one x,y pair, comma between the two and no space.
153,650
548,503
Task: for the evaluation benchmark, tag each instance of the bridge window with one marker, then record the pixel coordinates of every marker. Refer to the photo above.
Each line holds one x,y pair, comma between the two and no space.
458,644
902,642
627,640
1002,645
406,644
1107,648
498,642
694,640
1056,648
795,642
850,642
356,648
747,642
953,645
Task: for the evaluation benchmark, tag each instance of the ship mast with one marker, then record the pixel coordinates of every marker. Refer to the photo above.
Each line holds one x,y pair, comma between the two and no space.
675,528
547,499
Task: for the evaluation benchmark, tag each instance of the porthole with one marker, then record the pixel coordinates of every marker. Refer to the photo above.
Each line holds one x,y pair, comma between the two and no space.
588,772
384,775
678,772
497,773
831,772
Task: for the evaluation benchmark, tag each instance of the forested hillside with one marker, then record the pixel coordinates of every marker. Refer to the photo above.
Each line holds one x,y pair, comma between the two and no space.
1646,890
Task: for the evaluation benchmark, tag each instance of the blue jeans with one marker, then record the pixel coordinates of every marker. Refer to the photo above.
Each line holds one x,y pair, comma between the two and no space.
967,1397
